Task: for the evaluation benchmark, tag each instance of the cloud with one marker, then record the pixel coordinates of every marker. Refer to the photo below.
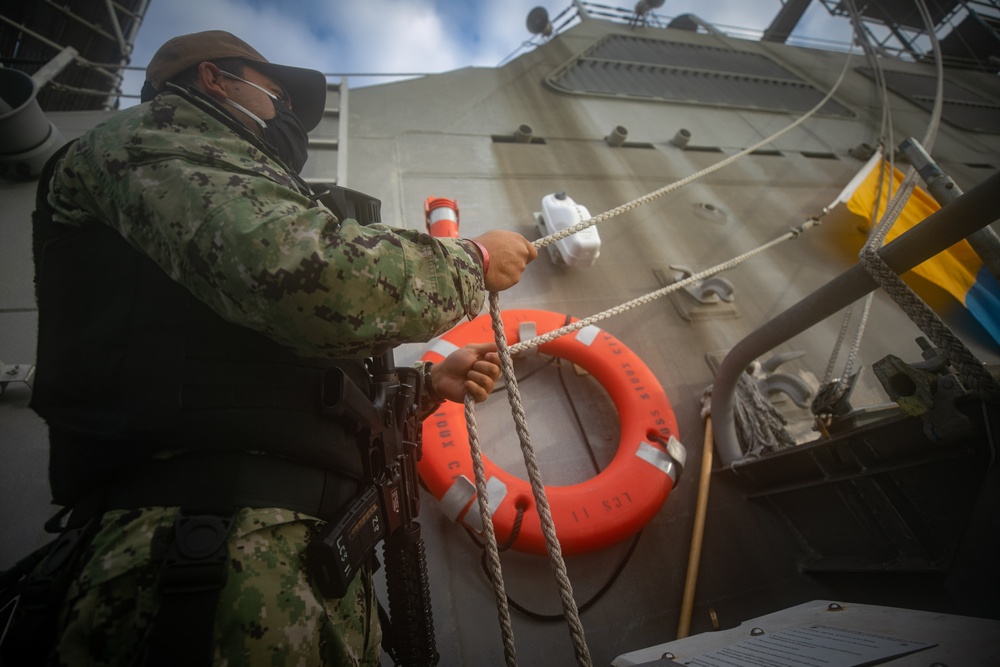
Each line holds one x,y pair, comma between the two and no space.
279,36
386,36
818,23
395,36
503,29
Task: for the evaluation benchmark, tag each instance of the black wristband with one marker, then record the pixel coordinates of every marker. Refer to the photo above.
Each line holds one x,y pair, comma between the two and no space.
429,386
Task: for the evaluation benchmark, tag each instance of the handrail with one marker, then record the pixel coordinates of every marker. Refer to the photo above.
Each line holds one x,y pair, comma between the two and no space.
972,211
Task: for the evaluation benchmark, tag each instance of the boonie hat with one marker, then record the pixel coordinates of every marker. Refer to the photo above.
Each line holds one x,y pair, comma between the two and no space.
305,87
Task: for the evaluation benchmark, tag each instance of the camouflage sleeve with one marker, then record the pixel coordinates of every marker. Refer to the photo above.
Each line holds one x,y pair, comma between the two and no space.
263,255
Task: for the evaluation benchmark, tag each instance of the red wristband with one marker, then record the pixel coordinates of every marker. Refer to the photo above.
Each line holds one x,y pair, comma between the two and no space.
486,257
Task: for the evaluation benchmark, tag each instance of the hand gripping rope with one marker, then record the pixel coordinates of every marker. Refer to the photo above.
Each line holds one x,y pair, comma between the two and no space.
570,609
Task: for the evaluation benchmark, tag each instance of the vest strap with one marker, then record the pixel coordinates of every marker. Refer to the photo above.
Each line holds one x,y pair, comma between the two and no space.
193,572
217,482
33,603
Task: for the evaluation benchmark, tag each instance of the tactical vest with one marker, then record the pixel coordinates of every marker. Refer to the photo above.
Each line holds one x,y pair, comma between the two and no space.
130,363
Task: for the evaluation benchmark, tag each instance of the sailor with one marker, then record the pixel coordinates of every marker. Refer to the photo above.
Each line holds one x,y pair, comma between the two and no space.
193,293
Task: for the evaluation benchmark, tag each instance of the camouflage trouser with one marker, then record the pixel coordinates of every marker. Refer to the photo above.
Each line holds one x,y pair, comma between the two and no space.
269,614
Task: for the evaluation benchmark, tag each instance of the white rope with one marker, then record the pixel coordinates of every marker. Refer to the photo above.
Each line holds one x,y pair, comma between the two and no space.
852,356
492,550
935,122
570,609
886,142
663,291
892,211
859,333
961,357
676,185
906,299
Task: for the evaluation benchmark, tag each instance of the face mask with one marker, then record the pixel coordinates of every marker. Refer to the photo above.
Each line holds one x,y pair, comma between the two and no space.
284,132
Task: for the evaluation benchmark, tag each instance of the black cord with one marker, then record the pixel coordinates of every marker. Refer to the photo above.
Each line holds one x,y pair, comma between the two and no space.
576,416
522,507
515,530
550,618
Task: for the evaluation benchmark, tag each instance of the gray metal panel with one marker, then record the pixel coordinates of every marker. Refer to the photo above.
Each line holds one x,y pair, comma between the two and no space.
696,56
978,118
677,72
962,107
956,639
682,85
326,140
912,84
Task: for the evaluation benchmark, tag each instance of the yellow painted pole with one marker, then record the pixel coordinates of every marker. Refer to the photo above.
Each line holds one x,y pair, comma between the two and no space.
697,534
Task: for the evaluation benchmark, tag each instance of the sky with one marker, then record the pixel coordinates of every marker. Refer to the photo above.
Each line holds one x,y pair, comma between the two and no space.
408,36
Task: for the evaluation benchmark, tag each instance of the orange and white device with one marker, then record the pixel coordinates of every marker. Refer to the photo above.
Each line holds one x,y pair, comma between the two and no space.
441,216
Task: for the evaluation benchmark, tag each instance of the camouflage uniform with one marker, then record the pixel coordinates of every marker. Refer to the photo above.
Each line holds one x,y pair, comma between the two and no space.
269,614
227,221
232,225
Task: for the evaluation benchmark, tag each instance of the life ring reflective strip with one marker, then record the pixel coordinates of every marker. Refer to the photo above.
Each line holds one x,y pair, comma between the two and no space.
591,515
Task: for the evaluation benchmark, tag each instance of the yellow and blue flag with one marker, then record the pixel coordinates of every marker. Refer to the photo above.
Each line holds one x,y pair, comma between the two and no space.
958,270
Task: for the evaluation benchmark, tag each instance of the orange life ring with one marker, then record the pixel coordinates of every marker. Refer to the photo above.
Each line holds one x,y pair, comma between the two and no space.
588,516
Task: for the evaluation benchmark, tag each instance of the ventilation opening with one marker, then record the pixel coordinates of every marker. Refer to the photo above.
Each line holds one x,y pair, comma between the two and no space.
819,155
509,139
654,69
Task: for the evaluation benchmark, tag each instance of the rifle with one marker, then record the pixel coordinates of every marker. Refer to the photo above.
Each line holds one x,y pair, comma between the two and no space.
390,433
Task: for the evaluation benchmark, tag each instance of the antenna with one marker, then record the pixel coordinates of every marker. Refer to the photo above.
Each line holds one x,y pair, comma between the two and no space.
538,21
685,22
645,6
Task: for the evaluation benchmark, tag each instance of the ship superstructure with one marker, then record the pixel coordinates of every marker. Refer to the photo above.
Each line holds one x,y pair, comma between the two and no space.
879,502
